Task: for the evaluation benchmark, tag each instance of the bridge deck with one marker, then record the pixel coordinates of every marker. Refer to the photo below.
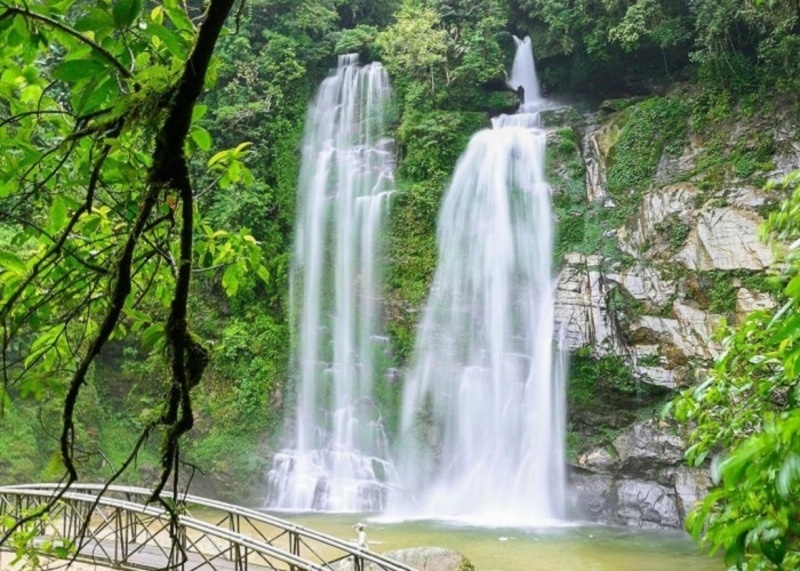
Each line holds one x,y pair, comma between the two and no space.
146,557
121,530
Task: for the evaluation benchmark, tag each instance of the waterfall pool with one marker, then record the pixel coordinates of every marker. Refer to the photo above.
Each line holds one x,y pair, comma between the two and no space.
578,547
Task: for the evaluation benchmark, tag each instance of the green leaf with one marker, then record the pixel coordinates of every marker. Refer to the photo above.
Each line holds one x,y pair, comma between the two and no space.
178,15
77,69
12,263
153,336
218,157
202,138
58,212
174,42
61,552
91,224
125,12
95,21
230,280
263,273
775,550
97,93
199,112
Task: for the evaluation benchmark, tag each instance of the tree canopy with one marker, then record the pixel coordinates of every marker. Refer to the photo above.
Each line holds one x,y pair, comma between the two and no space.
98,203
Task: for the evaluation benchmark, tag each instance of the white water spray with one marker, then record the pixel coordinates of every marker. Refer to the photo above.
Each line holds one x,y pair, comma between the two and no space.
339,458
483,414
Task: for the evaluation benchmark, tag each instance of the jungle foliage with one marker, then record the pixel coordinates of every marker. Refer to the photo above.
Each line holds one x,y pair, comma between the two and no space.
102,230
745,414
100,233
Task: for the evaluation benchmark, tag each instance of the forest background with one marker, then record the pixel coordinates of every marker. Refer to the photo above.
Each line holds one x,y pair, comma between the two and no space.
702,62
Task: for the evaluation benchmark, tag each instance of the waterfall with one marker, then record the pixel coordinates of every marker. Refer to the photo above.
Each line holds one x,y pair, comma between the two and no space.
523,73
483,412
338,458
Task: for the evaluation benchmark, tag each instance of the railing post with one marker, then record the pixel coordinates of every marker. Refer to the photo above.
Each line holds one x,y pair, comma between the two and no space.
294,547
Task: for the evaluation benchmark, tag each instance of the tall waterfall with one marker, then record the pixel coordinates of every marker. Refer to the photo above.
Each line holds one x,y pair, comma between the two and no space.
338,459
483,410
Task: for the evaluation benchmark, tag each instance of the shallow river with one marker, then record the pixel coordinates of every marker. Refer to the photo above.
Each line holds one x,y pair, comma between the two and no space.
572,548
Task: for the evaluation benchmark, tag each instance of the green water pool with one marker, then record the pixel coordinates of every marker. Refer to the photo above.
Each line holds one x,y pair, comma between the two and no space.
565,548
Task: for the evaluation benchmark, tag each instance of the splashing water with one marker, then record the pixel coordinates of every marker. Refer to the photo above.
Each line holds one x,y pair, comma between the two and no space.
483,413
338,461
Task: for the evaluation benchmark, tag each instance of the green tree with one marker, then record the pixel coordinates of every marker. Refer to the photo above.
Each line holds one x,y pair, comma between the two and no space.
98,105
746,413
415,45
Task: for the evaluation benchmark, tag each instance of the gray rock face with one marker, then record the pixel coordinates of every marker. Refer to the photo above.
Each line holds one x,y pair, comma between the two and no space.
599,461
642,482
726,239
645,447
689,332
644,283
594,495
422,559
642,503
689,238
581,311
636,237
749,300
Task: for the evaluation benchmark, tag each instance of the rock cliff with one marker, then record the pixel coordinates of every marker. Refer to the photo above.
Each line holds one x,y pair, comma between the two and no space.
659,251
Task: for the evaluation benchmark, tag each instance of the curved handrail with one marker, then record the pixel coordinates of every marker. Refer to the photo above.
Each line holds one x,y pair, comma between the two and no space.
385,562
187,522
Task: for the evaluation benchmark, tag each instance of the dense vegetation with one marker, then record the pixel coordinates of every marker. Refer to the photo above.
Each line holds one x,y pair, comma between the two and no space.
747,412
89,111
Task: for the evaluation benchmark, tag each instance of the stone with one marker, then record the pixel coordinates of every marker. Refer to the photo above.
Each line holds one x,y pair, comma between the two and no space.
691,485
581,313
599,461
645,284
593,495
659,376
750,300
427,559
597,143
645,447
726,239
640,234
646,504
690,333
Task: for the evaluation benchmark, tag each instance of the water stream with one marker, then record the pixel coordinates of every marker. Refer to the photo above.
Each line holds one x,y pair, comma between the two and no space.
338,457
483,412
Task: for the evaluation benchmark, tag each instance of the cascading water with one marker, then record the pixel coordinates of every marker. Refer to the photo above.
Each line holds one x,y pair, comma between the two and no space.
338,460
483,407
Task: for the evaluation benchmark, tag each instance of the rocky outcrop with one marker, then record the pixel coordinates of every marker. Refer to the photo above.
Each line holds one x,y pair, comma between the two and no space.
725,239
748,301
640,237
638,480
686,333
660,265
582,316
422,559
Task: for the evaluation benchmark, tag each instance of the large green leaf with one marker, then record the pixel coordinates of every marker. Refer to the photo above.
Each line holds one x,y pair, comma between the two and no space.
125,12
58,212
202,138
174,42
11,262
77,69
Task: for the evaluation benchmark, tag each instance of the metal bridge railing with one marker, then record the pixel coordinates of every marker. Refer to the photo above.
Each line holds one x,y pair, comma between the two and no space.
264,539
